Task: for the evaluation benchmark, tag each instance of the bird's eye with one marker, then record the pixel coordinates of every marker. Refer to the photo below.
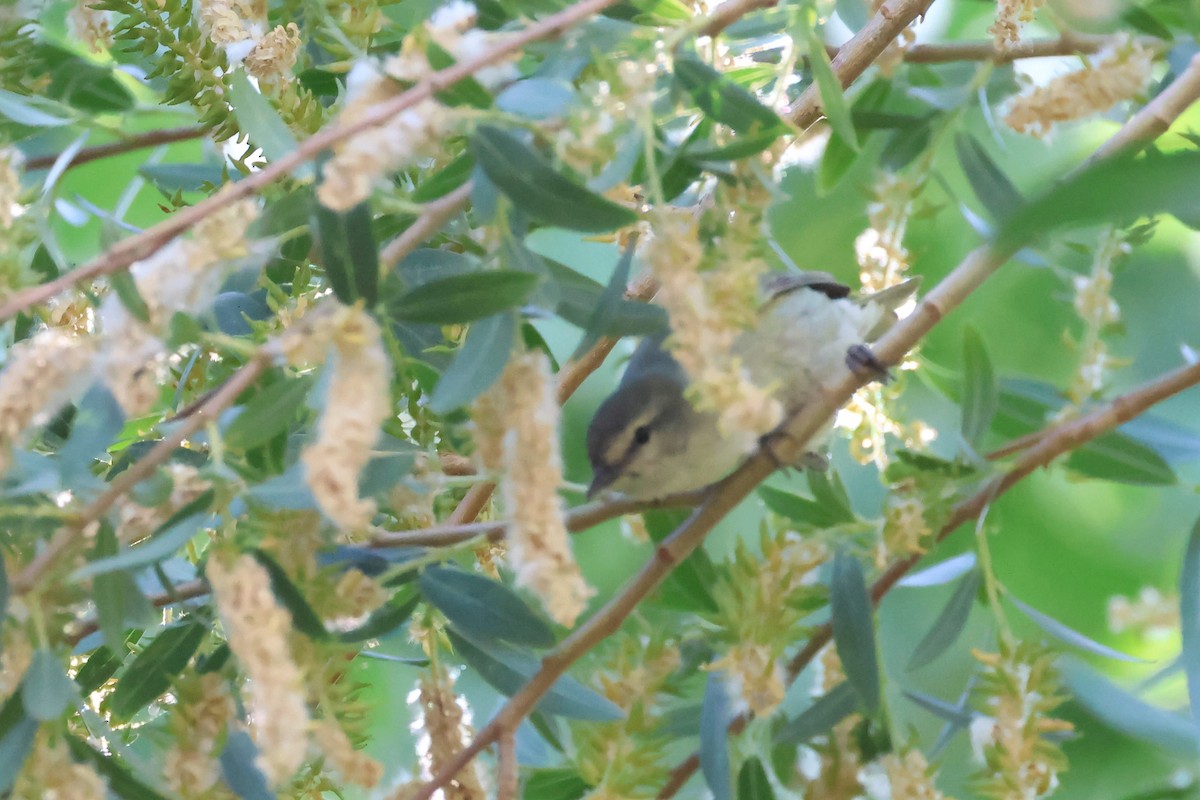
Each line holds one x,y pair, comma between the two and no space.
641,435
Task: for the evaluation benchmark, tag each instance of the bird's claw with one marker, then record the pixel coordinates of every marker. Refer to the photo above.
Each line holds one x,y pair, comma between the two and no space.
863,362
810,461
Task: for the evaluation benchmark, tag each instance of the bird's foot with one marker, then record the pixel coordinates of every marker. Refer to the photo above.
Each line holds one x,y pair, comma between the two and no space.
810,461
863,362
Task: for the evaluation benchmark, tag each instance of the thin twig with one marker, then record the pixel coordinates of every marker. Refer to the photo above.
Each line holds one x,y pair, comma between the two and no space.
184,591
506,771
856,55
143,244
241,380
1066,45
1136,133
137,142
580,518
569,380
730,12
434,215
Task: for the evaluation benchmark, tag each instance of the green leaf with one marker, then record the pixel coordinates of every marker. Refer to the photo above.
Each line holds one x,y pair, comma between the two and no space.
561,783
753,781
1189,618
609,302
120,604
833,99
688,587
268,414
980,395
797,508
239,768
1112,190
741,147
152,670
383,620
579,295
905,144
507,669
819,718
993,188
949,624
16,741
853,13
537,98
854,629
478,363
445,180
304,618
1069,635
828,490
1123,712
98,420
715,716
467,92
101,665
940,573
120,779
46,690
1122,459
534,187
26,111
127,292
464,298
724,101
836,161
163,543
958,716
172,178
259,120
483,608
351,258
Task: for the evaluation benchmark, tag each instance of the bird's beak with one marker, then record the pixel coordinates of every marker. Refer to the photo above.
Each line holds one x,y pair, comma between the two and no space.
601,479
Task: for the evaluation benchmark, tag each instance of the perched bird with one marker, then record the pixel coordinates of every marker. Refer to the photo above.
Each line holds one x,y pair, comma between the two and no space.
647,440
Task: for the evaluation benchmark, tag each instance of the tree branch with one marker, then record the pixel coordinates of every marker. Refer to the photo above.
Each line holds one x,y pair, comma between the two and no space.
434,215
144,244
856,55
1067,44
1054,442
241,380
1136,133
136,142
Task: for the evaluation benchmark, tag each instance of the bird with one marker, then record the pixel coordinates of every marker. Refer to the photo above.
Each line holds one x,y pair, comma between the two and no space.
647,441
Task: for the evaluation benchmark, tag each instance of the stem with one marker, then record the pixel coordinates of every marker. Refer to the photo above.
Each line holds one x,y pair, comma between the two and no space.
138,142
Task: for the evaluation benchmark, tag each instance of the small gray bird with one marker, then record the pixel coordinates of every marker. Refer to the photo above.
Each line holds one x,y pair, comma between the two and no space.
647,440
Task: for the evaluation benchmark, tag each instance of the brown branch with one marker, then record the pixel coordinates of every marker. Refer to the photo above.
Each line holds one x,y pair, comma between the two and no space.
1137,132
569,380
856,55
241,380
137,142
730,12
1054,442
580,518
143,244
1066,45
506,772
434,215
184,591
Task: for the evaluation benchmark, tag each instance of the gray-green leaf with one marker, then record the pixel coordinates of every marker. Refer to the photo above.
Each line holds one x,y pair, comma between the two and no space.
854,629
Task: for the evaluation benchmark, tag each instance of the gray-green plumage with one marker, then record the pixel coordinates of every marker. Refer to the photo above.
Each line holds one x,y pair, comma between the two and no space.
646,440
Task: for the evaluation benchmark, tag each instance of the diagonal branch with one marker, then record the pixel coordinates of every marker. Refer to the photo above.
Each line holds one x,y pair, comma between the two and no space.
1139,131
856,55
136,142
144,244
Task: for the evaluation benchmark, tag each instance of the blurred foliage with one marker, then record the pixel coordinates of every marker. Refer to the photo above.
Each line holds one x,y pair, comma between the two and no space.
1049,650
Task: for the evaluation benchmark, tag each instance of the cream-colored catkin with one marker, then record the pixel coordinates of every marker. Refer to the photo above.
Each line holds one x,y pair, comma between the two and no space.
539,544
42,373
358,402
354,766
443,722
1118,75
202,713
257,629
11,163
50,773
1011,15
272,59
